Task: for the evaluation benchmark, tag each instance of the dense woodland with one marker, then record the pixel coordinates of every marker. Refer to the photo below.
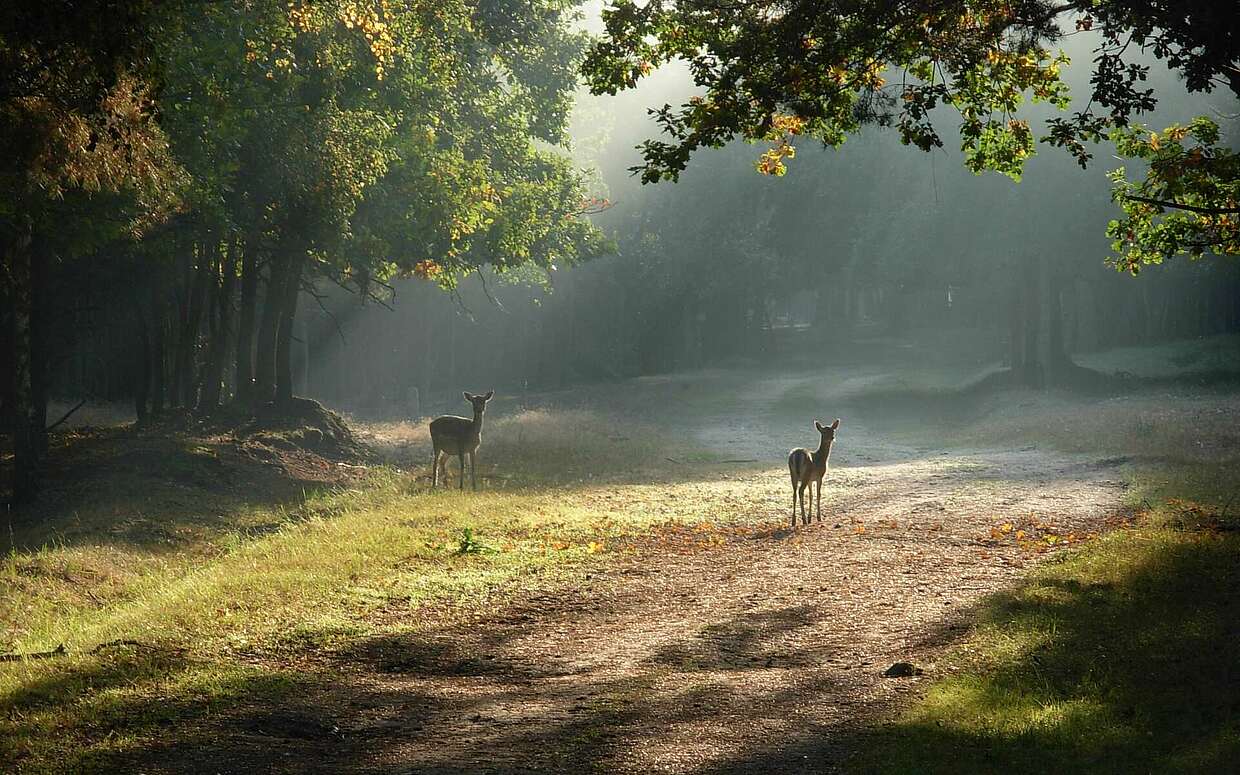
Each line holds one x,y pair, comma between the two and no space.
225,204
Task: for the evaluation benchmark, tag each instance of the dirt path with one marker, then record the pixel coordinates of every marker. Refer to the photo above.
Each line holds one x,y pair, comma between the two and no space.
753,656
761,654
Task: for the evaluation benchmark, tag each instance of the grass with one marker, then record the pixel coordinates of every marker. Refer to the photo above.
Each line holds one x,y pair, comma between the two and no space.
1118,657
208,597
1123,654
214,586
229,622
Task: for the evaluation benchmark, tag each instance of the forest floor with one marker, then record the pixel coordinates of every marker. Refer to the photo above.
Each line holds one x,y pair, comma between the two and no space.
625,595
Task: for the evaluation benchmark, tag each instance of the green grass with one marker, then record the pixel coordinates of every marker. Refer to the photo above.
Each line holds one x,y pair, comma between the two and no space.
235,587
230,626
1122,656
249,592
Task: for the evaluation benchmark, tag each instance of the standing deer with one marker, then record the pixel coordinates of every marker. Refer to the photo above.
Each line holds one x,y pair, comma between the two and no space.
806,467
458,436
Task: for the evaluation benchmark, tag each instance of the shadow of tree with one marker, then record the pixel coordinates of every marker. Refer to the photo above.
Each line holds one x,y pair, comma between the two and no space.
157,490
463,701
1125,669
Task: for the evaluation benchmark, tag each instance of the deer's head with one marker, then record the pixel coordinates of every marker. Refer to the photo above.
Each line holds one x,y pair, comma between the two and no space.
479,402
827,431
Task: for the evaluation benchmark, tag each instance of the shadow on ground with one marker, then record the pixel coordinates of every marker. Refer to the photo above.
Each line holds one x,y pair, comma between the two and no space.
1116,670
156,490
1129,669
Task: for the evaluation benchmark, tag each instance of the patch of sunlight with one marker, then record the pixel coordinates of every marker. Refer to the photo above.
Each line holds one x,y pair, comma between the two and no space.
1041,593
1057,715
1011,641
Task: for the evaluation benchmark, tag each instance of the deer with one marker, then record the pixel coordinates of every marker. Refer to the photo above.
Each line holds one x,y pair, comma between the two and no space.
806,466
460,436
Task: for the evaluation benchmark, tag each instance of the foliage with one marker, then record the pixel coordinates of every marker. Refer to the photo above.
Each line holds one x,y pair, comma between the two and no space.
470,543
1199,182
75,105
773,71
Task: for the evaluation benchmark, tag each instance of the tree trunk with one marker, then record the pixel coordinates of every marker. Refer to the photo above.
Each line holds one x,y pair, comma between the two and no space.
203,275
1039,355
142,368
40,344
288,315
19,399
303,372
179,322
1057,366
245,327
213,374
158,350
268,330
8,355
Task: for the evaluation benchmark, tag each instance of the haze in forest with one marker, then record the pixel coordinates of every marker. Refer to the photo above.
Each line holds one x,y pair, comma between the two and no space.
873,251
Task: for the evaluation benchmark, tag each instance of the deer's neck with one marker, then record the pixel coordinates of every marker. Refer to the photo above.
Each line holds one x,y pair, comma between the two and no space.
477,423
823,453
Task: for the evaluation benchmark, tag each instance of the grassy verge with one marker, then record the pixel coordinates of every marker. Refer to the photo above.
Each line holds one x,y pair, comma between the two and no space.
230,627
1120,655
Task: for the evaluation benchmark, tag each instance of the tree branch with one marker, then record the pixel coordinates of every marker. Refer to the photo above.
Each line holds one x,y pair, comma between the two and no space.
487,290
68,414
1178,206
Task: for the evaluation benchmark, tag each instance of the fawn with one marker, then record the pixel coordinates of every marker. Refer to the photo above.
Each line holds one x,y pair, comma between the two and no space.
806,467
458,436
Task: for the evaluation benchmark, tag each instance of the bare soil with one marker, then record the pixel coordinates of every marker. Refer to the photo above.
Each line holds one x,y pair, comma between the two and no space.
747,647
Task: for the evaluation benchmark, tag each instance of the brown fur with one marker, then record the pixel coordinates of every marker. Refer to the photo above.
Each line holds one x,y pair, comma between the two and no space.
460,436
806,467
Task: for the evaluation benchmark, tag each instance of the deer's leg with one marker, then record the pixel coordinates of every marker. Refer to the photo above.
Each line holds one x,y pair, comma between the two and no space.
473,468
435,468
794,501
460,456
819,500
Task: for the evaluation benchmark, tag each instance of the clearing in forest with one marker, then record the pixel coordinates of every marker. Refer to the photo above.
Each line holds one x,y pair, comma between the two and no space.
625,595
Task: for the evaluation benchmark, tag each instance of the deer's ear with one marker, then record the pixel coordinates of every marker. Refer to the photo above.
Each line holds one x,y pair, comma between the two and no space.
490,394
468,397
835,424
819,426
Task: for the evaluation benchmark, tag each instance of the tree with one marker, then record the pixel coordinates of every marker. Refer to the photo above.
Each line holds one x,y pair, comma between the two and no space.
772,70
164,158
363,140
75,118
1198,183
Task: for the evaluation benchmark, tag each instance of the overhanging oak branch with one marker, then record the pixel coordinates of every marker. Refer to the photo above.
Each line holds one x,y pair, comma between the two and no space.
1190,208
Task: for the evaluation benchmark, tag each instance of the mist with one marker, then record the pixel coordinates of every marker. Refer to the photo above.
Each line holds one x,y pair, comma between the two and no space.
363,410
870,253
